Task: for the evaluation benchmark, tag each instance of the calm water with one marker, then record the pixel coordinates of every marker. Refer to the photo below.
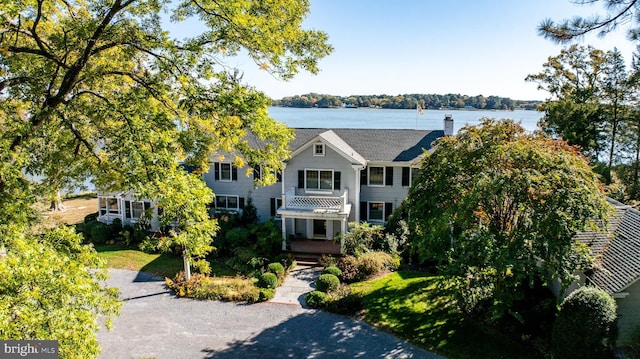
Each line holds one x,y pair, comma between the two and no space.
387,118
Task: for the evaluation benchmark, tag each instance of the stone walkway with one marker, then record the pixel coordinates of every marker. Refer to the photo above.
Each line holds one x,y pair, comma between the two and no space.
301,280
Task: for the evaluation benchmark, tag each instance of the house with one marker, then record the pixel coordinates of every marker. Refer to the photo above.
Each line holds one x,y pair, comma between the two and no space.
334,176
128,208
617,266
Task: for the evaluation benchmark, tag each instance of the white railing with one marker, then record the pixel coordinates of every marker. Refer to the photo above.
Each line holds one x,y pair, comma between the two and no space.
292,201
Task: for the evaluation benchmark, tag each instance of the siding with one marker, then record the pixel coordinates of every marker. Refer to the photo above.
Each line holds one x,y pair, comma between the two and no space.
629,314
330,161
393,194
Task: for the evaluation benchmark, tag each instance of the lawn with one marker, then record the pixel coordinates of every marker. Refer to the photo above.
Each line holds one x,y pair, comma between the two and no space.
162,265
417,307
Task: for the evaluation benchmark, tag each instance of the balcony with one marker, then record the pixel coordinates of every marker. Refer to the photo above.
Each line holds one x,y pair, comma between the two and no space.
315,204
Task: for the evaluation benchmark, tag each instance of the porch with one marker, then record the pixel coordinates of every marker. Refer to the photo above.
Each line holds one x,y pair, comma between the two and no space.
308,246
321,218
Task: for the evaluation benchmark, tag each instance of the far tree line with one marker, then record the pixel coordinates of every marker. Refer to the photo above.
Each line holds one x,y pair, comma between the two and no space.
407,101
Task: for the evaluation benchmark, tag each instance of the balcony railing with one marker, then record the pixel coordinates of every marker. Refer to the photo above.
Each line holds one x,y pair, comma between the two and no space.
335,204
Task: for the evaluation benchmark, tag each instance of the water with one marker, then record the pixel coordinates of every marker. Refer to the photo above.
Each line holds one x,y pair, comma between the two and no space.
396,119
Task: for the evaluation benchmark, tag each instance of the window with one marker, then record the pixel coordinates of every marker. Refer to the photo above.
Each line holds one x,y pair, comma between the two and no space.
232,203
108,206
409,174
225,172
375,212
376,176
275,204
318,180
137,209
318,149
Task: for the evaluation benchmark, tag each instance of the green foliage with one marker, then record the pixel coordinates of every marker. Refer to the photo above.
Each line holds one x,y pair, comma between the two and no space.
100,233
100,90
327,282
316,299
268,280
585,327
362,237
266,294
275,268
355,269
249,214
286,259
344,301
49,290
406,101
332,270
497,208
199,286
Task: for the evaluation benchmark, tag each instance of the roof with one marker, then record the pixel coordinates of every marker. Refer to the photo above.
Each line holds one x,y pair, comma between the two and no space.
375,145
617,252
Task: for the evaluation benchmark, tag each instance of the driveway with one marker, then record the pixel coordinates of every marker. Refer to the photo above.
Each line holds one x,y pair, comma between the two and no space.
156,324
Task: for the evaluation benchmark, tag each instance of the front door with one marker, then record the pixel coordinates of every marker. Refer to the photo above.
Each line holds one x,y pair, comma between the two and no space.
319,228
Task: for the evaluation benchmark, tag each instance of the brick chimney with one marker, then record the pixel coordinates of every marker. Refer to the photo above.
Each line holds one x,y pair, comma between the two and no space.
448,125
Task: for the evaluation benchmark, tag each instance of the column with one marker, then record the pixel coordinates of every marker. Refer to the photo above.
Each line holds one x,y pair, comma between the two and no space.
284,232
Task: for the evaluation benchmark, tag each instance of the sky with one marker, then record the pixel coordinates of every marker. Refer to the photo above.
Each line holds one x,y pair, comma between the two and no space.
469,47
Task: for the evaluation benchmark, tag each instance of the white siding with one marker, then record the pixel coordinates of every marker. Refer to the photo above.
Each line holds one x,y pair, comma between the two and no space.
629,314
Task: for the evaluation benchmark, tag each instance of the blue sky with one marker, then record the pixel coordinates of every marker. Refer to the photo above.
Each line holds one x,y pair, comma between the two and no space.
472,47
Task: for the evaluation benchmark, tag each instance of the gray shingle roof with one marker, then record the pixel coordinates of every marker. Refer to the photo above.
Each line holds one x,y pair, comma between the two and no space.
383,145
616,253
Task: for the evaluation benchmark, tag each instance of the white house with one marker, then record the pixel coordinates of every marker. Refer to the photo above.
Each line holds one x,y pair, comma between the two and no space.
334,176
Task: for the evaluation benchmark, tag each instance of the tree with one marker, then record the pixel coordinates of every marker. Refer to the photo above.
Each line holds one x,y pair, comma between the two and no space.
100,89
497,209
573,112
618,13
616,93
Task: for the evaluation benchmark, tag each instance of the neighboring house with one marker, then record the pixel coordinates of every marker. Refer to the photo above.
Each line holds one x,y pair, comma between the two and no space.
129,209
334,176
617,265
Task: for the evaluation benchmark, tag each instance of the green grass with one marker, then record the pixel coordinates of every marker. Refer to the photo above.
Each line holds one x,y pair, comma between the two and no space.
420,308
162,265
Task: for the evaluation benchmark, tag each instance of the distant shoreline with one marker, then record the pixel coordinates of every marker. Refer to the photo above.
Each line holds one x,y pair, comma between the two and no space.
409,109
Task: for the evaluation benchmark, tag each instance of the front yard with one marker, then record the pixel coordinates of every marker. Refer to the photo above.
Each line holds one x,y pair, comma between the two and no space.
417,307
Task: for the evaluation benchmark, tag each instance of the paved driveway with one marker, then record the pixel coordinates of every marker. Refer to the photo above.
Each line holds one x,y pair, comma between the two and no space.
156,324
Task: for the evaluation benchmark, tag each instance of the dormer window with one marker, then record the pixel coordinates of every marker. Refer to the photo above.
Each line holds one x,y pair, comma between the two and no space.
318,149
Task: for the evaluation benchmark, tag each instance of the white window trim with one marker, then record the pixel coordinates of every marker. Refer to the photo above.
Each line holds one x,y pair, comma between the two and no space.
315,153
318,190
226,207
384,176
369,219
230,172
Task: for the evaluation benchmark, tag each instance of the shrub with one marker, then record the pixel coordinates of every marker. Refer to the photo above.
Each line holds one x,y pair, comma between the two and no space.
91,217
327,282
100,233
275,268
371,263
585,326
278,270
268,280
349,267
266,294
344,301
115,228
286,259
316,299
332,270
232,289
328,260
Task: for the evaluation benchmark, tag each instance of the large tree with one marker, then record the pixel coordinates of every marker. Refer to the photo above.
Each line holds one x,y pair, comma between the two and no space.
573,111
100,89
618,12
497,208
